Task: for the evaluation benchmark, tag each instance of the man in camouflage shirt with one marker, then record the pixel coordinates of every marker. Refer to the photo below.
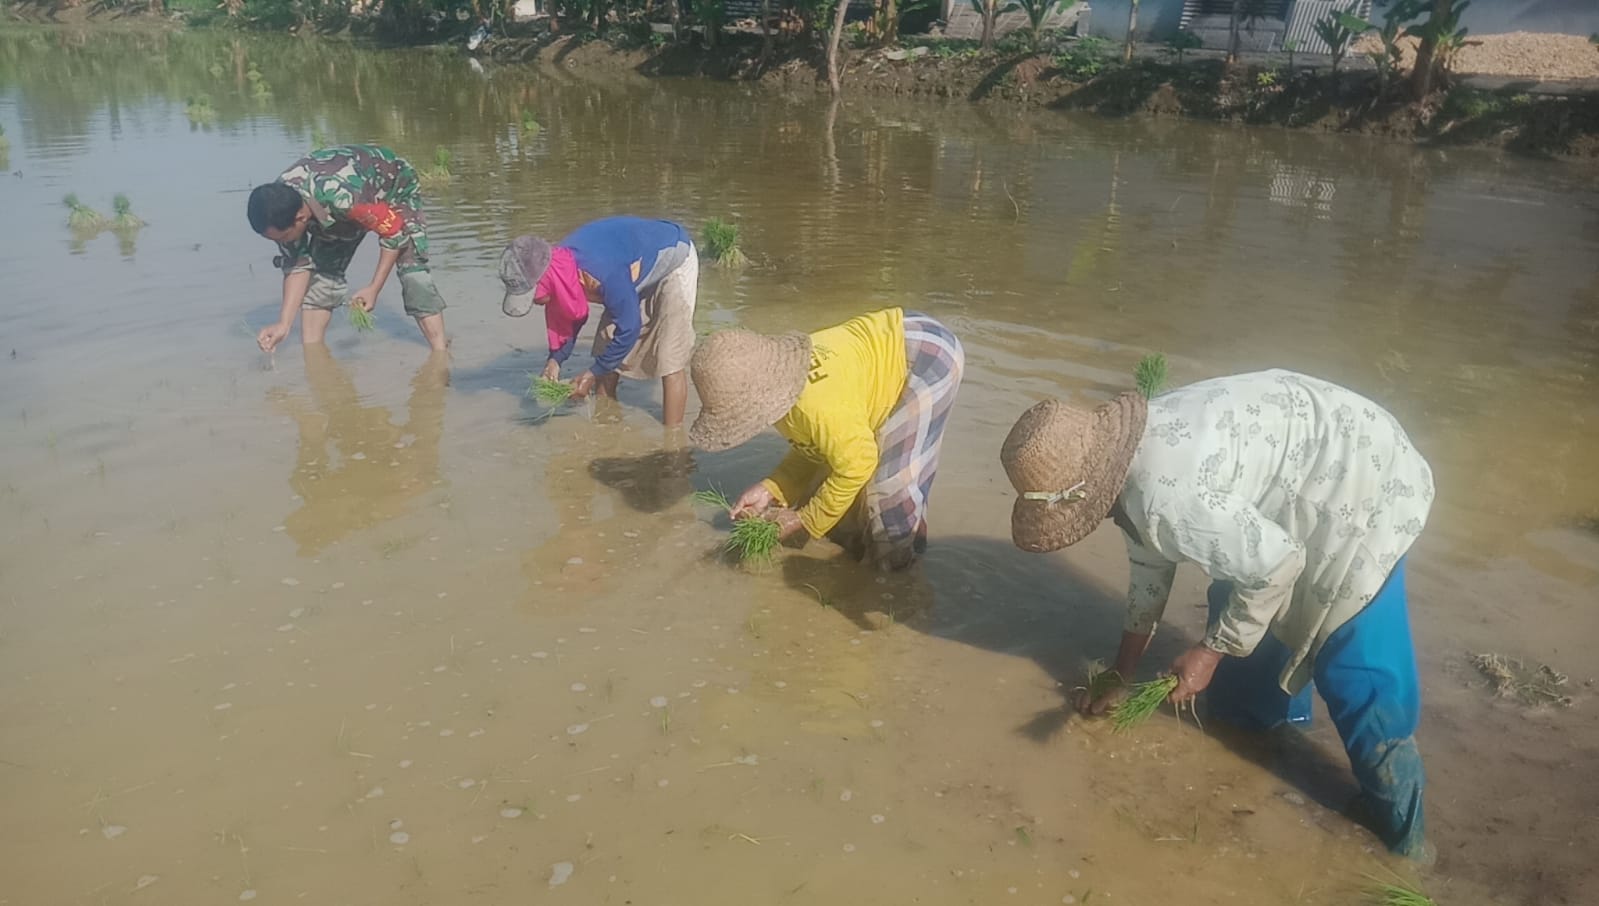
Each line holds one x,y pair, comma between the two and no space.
318,212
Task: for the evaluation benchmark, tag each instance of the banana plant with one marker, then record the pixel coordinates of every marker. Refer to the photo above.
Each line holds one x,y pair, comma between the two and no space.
1337,34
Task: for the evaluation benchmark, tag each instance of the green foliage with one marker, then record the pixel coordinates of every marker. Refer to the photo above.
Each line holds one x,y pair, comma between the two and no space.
754,538
1334,29
1266,78
1182,42
1445,33
360,318
124,218
1084,58
1037,11
1386,58
720,239
200,111
1149,376
549,393
1398,894
530,126
440,172
82,217
1145,700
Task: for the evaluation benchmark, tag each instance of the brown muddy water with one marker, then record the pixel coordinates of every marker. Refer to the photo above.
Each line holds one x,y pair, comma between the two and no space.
358,627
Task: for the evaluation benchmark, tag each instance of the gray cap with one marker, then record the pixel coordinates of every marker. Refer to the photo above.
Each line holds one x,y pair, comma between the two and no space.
521,265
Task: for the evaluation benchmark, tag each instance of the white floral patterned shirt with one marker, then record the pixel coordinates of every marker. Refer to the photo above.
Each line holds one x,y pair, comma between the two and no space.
1302,494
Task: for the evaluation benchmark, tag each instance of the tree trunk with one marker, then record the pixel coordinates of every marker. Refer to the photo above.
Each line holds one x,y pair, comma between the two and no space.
1233,36
891,23
1132,29
766,34
832,46
990,12
1421,78
677,20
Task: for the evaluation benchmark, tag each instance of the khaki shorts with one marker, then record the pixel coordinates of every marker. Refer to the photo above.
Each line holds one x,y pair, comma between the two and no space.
417,290
666,337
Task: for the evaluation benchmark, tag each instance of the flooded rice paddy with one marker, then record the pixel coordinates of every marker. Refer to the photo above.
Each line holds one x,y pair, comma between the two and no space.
354,625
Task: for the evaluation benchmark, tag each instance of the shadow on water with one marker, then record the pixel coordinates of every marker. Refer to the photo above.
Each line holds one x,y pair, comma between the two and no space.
991,595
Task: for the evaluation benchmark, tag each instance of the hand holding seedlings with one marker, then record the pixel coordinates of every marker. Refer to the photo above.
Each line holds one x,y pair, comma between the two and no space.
1193,669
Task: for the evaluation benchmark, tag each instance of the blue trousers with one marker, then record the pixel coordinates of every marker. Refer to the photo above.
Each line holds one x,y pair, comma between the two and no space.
1366,673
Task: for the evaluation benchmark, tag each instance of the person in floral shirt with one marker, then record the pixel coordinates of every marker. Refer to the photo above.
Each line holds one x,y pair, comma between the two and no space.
318,212
1299,499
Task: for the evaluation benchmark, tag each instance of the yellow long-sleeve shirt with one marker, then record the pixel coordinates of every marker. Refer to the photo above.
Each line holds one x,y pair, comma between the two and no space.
857,374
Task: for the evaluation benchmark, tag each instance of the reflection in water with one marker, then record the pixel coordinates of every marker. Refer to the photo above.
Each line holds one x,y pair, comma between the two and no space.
1459,290
355,468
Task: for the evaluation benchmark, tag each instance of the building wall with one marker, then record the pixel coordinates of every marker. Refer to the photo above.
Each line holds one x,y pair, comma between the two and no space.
1158,19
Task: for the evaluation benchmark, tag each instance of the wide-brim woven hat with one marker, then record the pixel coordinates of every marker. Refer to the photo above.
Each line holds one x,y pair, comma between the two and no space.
522,265
1069,465
746,382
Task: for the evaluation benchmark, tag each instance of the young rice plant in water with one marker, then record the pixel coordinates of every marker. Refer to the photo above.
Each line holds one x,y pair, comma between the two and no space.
82,217
721,242
124,218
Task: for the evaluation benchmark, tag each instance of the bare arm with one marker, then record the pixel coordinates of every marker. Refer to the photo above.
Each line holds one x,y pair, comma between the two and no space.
295,285
368,297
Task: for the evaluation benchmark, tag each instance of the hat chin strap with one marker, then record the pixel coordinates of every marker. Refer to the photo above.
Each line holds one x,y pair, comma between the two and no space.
1076,492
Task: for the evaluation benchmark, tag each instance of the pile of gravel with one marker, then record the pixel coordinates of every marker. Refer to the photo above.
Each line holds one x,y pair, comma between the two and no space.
1523,53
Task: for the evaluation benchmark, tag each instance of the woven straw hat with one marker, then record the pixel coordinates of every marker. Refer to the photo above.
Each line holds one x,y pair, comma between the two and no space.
746,381
1069,465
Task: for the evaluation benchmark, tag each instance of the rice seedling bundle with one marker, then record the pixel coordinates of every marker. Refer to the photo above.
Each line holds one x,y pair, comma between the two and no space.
529,124
720,239
124,218
1399,894
1145,700
360,318
1150,375
753,539
550,393
80,216
440,171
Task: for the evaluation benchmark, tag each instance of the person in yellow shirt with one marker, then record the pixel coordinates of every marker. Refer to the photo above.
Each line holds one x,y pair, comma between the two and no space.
863,406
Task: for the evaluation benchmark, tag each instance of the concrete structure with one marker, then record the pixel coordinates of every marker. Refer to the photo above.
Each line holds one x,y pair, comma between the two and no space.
1158,20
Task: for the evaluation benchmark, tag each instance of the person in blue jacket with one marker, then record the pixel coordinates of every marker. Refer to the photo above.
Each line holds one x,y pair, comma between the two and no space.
643,273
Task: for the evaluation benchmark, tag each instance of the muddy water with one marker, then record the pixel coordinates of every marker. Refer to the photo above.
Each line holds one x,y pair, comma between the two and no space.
354,626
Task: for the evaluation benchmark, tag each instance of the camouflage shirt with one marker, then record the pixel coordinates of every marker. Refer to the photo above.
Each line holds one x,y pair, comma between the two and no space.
352,189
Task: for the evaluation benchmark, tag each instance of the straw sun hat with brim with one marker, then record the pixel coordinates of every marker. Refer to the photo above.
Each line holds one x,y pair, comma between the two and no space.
1069,465
521,265
746,381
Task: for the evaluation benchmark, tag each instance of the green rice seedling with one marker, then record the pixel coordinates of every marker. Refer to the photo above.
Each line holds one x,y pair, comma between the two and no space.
440,171
1398,894
1145,700
124,218
199,110
360,318
753,539
713,497
550,393
529,124
720,239
82,217
1150,375
1101,681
